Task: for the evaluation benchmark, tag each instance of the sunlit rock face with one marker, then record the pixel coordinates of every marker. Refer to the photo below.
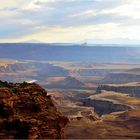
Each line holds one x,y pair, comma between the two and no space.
27,112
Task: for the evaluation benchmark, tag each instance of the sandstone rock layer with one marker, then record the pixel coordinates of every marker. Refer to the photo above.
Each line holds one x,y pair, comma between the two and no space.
26,112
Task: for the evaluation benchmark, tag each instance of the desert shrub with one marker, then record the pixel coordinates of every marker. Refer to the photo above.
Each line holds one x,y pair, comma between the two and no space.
24,84
3,84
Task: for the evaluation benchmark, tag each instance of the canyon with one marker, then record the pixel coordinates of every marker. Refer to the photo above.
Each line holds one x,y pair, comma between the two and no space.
90,106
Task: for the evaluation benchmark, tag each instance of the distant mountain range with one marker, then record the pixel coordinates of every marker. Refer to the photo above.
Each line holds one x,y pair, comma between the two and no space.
70,52
32,41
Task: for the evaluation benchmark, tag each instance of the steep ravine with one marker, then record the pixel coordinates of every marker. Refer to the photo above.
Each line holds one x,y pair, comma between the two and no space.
102,107
27,112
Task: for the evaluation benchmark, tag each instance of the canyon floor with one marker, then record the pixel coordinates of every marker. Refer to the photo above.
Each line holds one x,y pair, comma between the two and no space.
85,122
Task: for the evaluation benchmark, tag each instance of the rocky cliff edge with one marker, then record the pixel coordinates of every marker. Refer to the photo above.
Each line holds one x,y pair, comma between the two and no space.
27,112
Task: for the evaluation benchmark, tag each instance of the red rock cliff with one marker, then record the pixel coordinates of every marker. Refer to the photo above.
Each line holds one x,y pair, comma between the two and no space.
26,112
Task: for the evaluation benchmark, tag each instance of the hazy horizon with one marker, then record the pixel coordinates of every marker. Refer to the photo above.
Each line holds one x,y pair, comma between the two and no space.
100,44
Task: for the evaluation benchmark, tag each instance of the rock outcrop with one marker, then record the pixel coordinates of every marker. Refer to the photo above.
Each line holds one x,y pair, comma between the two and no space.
65,83
27,112
120,78
131,90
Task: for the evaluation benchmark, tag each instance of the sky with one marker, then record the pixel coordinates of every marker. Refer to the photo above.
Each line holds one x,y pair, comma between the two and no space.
72,21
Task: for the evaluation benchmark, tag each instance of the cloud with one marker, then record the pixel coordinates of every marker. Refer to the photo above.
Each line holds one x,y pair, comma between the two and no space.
130,9
37,5
88,13
69,20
